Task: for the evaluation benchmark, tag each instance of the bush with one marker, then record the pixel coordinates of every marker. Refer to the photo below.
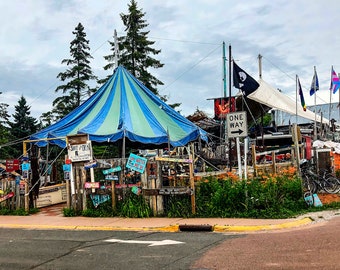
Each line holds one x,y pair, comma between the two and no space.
262,197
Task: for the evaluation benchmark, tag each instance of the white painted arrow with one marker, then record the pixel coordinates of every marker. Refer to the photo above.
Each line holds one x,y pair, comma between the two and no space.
151,243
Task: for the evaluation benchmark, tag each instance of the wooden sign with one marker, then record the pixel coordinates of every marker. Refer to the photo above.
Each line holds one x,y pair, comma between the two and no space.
136,163
92,185
7,196
12,165
181,160
112,170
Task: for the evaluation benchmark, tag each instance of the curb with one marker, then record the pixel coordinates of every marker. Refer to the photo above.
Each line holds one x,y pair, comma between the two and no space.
170,228
292,224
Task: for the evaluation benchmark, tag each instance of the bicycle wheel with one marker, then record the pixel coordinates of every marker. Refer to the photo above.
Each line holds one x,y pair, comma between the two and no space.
331,185
309,184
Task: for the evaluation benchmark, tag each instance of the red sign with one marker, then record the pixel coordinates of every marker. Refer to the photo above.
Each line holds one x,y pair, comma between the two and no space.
12,165
7,196
222,106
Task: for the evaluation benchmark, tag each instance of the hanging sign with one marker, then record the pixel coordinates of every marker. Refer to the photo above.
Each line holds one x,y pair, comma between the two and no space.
25,166
136,163
223,106
12,165
66,167
80,152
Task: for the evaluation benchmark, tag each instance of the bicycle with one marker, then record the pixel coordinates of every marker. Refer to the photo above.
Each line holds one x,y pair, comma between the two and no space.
313,182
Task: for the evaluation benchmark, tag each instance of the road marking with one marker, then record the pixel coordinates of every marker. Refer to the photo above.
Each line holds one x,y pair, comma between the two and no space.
151,243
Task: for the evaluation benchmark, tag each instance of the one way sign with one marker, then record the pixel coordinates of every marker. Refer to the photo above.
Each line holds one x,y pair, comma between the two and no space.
237,125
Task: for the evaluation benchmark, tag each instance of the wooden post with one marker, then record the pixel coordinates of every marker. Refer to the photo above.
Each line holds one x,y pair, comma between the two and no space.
82,187
78,198
68,194
274,162
153,198
113,195
253,156
192,179
296,146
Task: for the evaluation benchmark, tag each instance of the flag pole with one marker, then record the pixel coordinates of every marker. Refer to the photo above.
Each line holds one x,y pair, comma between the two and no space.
296,99
330,97
230,107
315,129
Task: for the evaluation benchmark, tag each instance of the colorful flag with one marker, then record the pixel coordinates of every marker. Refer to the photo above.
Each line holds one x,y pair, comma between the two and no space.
243,81
315,84
335,82
303,104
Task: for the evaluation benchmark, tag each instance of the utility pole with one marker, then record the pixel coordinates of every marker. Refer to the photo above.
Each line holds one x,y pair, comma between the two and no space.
116,50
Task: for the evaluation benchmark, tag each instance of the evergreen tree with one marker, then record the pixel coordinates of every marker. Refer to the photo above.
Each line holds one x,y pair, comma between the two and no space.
135,51
22,126
4,117
77,76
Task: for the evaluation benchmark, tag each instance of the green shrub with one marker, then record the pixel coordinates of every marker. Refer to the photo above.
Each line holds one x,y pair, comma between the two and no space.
132,205
278,197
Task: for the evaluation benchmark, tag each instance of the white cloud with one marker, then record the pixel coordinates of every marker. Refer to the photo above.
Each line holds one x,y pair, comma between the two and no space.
292,36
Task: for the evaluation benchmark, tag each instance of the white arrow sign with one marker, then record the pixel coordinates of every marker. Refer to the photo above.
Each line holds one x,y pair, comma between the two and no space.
237,124
151,243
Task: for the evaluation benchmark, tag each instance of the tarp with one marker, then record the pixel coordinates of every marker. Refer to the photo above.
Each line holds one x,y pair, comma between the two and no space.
123,107
271,97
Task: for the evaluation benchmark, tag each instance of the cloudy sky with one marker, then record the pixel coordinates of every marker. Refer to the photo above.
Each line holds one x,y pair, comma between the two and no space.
292,37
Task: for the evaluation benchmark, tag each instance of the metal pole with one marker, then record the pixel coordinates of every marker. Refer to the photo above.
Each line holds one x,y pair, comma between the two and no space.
230,107
296,99
315,130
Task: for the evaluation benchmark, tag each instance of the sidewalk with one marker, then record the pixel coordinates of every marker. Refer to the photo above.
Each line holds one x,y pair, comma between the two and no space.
52,218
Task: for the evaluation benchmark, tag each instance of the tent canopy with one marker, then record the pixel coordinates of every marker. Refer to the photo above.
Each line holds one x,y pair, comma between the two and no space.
271,97
123,107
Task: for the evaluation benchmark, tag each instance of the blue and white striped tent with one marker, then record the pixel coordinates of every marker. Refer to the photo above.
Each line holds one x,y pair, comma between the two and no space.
123,107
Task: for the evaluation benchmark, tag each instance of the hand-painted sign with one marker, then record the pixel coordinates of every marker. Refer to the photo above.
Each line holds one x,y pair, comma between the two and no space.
111,177
182,160
98,199
66,167
136,163
112,170
136,190
92,185
25,166
7,196
80,152
12,165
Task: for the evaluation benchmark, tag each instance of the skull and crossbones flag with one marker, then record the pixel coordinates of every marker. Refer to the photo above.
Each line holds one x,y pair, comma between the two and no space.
243,81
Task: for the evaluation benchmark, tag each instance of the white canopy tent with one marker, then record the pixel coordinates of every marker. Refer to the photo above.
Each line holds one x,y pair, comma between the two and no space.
271,97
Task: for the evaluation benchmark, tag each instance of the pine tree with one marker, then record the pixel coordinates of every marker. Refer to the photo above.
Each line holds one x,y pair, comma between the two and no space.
76,89
135,51
4,135
22,126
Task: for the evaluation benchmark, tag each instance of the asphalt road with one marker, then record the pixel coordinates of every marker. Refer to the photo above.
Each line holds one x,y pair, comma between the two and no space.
51,249
312,247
